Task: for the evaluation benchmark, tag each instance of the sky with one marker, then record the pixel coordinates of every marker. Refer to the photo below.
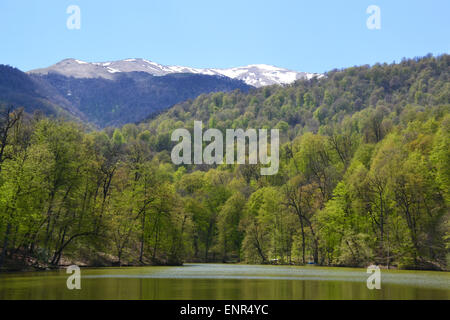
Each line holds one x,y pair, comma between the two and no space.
310,36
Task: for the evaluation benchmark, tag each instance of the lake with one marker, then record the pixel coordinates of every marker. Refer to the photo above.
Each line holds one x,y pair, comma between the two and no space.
226,281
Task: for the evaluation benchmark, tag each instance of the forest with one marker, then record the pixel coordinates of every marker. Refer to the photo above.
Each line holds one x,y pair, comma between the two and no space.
364,178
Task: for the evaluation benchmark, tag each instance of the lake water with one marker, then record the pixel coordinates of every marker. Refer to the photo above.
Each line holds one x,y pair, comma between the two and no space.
225,281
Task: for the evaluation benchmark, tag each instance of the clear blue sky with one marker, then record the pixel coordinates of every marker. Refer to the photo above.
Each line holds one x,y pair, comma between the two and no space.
313,36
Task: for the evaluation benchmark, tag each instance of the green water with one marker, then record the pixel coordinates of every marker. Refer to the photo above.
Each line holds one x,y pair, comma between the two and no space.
222,281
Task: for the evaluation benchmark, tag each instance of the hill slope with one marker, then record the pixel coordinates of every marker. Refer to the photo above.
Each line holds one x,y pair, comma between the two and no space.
20,90
307,105
132,96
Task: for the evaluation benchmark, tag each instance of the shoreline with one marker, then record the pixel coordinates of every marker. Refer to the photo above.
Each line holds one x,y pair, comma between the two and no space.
84,266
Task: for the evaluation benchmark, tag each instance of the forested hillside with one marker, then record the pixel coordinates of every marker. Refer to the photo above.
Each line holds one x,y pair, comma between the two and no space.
19,89
364,178
131,96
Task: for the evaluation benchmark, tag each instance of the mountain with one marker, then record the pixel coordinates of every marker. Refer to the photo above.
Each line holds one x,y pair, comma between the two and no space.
22,90
133,96
115,100
256,75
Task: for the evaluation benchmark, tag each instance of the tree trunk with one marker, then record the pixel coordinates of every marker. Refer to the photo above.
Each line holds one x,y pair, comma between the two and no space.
303,241
5,244
141,250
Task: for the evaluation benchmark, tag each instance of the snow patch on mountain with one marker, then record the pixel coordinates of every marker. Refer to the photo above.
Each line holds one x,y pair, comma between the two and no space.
256,75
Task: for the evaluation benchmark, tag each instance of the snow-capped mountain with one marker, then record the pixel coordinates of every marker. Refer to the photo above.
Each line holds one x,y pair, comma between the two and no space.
256,75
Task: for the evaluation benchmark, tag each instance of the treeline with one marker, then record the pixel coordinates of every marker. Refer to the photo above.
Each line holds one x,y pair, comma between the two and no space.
364,178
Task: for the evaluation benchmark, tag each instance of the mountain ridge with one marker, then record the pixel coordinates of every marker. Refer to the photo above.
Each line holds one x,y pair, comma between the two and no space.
256,75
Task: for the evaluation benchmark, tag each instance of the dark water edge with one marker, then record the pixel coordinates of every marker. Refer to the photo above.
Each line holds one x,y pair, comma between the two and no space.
14,266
